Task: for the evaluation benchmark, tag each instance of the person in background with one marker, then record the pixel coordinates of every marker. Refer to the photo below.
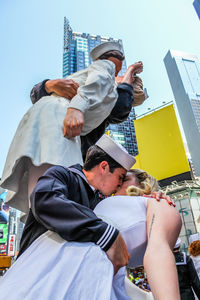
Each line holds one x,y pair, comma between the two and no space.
146,284
187,275
194,251
141,286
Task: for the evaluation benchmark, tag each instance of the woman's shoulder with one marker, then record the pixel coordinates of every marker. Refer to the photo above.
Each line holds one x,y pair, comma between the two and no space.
122,206
121,200
125,198
122,210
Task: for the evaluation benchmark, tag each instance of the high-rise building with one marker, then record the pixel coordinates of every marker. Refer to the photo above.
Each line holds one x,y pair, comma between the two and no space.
184,75
187,199
125,134
77,47
196,4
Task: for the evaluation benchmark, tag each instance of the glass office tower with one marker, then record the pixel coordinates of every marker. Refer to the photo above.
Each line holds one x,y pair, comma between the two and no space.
196,4
125,134
187,199
77,47
183,70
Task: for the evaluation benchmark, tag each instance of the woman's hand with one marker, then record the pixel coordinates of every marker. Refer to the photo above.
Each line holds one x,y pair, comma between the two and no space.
131,72
66,88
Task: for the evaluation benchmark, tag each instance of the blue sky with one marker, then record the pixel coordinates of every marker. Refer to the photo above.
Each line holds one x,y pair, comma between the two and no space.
31,34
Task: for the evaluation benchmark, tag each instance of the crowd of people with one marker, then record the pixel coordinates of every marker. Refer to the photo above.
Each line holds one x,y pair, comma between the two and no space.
194,251
188,268
138,277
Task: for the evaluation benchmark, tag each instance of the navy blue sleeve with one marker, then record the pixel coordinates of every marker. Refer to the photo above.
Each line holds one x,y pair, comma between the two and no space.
73,221
194,279
123,105
38,91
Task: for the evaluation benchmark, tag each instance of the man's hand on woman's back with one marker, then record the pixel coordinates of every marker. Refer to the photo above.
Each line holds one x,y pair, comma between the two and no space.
118,254
66,88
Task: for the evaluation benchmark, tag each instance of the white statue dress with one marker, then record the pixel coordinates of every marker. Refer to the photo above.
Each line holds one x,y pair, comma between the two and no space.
39,137
53,269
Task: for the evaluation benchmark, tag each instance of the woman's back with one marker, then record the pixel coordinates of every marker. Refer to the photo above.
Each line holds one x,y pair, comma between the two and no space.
128,215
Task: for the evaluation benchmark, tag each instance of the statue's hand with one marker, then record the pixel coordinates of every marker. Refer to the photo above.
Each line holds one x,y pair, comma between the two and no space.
66,88
73,123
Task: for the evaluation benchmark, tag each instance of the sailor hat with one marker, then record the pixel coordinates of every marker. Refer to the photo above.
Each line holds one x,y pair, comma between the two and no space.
194,237
178,243
116,151
105,47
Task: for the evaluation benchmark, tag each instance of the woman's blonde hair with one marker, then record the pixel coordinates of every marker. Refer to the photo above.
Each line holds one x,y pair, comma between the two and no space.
194,248
148,184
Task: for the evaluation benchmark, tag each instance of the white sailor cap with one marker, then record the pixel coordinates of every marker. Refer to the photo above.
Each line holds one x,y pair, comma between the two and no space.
116,151
105,47
178,243
194,237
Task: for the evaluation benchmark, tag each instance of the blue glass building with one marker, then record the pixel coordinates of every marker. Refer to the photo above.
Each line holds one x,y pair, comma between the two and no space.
77,47
184,75
196,4
125,134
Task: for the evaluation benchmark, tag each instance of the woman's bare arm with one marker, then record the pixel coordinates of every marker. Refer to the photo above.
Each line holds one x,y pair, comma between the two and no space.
163,228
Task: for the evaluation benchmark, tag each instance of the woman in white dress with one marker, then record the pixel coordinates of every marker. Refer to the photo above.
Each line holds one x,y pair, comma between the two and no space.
58,270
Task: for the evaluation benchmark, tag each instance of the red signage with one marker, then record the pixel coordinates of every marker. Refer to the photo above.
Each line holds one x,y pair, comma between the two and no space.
11,248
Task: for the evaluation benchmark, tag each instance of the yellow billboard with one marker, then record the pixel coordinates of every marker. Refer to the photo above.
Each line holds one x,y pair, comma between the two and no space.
160,145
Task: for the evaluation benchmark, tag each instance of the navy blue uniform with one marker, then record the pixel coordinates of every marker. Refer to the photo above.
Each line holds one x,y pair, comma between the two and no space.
62,201
187,276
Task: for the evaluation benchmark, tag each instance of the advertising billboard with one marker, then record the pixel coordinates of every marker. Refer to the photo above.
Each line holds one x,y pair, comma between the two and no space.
4,209
3,233
160,145
11,245
3,238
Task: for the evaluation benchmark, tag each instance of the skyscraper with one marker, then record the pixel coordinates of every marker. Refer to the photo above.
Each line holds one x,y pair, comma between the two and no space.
77,47
125,134
187,199
196,4
184,75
